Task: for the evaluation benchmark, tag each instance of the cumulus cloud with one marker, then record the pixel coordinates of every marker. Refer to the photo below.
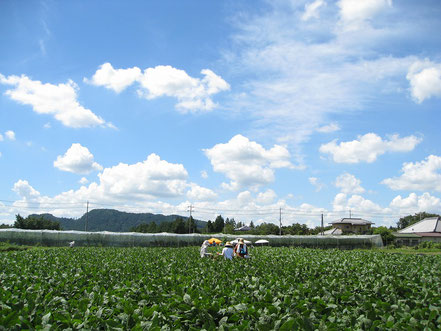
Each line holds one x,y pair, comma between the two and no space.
312,10
368,147
26,191
355,11
193,94
78,160
57,100
246,163
198,193
421,176
349,184
329,128
266,197
114,79
133,187
425,80
413,203
10,135
204,174
152,177
357,203
83,181
314,181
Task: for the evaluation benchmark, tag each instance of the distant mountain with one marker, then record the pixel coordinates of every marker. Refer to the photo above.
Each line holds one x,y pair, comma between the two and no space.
113,220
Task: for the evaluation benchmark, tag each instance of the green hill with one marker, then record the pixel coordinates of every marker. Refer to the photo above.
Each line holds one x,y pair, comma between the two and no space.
113,220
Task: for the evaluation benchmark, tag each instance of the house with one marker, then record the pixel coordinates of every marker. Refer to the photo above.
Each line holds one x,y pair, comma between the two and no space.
352,225
428,229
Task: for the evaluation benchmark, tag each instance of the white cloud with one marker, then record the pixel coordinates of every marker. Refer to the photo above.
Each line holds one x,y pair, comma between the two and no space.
421,176
425,80
246,163
329,128
77,159
26,191
368,147
314,181
357,204
312,10
414,203
83,181
198,193
57,100
114,79
136,187
193,94
10,135
358,11
349,184
152,177
298,76
266,197
1,137
204,174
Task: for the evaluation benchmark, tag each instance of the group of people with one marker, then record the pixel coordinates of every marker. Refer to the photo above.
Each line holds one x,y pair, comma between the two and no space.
229,251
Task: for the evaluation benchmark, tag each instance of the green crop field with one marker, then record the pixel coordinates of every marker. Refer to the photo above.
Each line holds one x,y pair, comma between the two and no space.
173,288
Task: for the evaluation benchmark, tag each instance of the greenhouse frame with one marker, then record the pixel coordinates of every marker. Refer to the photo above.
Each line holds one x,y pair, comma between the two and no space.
135,239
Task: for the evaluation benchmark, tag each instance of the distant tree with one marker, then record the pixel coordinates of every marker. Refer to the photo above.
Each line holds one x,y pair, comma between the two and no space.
190,225
35,223
145,228
179,225
5,226
166,227
267,228
209,228
385,233
228,228
409,220
219,224
296,229
252,225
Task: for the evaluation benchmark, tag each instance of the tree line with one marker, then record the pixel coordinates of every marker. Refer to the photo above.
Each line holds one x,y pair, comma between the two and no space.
227,226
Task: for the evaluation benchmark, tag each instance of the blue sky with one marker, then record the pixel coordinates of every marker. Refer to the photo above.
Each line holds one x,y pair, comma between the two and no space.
235,108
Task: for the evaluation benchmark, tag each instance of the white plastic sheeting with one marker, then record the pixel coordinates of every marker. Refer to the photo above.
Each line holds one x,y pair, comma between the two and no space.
128,239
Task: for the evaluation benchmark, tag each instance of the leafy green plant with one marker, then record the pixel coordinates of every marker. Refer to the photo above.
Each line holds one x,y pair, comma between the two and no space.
278,289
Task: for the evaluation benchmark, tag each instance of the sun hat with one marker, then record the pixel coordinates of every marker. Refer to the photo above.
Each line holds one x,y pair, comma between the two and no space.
228,244
241,241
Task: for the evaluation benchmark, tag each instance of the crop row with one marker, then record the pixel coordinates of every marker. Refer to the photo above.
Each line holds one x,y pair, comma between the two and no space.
279,288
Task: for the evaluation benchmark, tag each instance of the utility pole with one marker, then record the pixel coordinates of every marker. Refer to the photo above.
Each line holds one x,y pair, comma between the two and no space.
280,221
350,213
190,209
87,216
323,230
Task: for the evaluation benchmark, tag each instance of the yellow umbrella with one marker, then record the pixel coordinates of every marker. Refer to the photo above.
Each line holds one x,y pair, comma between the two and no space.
214,240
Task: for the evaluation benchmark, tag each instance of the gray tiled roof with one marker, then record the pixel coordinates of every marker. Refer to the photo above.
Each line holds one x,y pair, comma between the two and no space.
430,224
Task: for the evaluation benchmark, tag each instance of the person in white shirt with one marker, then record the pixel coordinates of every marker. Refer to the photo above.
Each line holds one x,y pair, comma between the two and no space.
228,251
204,247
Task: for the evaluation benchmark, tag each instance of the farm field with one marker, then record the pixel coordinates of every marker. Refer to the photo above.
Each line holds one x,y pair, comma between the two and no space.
279,288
